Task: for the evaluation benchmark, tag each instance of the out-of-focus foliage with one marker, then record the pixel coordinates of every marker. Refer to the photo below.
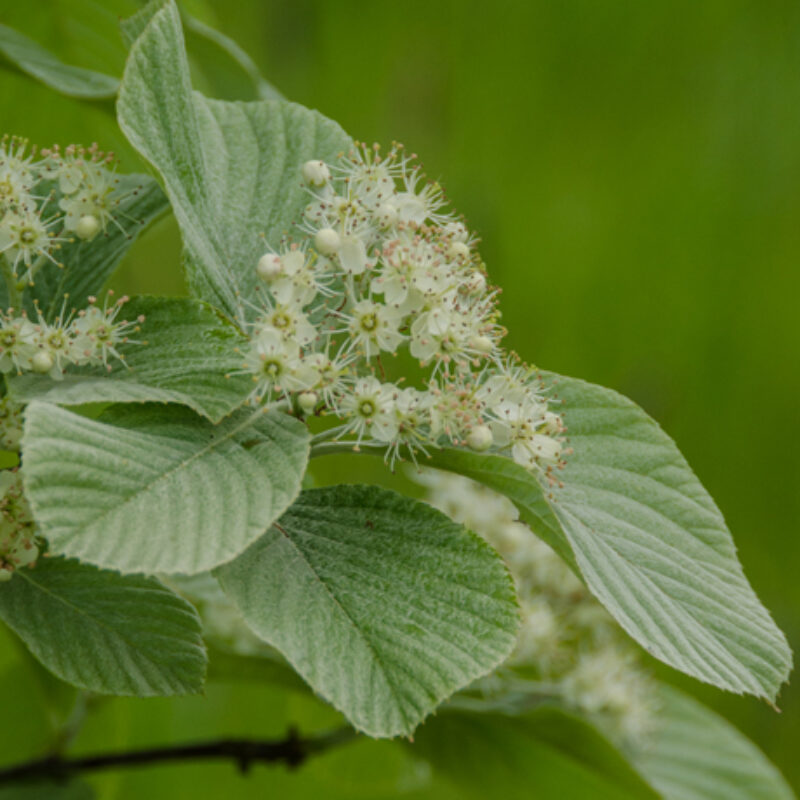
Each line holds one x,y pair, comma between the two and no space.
633,169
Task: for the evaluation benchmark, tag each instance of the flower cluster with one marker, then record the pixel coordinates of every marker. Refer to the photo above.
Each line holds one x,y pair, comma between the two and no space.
89,336
18,546
379,266
568,646
47,201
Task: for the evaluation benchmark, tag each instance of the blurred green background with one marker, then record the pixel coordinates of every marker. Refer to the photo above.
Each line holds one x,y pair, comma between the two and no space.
634,172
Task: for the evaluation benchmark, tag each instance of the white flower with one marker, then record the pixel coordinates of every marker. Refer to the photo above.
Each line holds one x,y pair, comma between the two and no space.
420,205
412,410
515,425
332,375
277,365
369,410
411,261
374,326
16,172
96,332
24,237
444,333
17,343
370,177
95,198
298,282
288,321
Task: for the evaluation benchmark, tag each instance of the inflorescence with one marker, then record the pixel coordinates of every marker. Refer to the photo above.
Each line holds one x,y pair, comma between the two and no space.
86,337
568,647
379,267
48,199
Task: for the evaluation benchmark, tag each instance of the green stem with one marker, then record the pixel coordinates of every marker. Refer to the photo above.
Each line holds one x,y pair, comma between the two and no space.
331,448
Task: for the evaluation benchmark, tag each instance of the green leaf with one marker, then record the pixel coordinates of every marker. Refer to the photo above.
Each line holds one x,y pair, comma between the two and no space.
697,755
189,352
152,489
231,170
384,605
544,753
105,632
33,59
649,542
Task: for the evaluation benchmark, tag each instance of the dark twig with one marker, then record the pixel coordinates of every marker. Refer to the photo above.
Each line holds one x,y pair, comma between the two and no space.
292,751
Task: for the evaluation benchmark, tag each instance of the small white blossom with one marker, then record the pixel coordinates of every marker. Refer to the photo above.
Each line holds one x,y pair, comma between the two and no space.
374,327
368,409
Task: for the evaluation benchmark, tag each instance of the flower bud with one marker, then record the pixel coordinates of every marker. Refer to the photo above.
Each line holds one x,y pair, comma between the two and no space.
269,267
327,241
307,401
42,362
5,574
87,227
481,344
480,438
316,173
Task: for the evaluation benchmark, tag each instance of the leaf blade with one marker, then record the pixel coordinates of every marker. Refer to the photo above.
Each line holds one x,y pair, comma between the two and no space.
231,170
41,64
546,752
382,604
654,547
697,755
159,490
105,632
648,540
